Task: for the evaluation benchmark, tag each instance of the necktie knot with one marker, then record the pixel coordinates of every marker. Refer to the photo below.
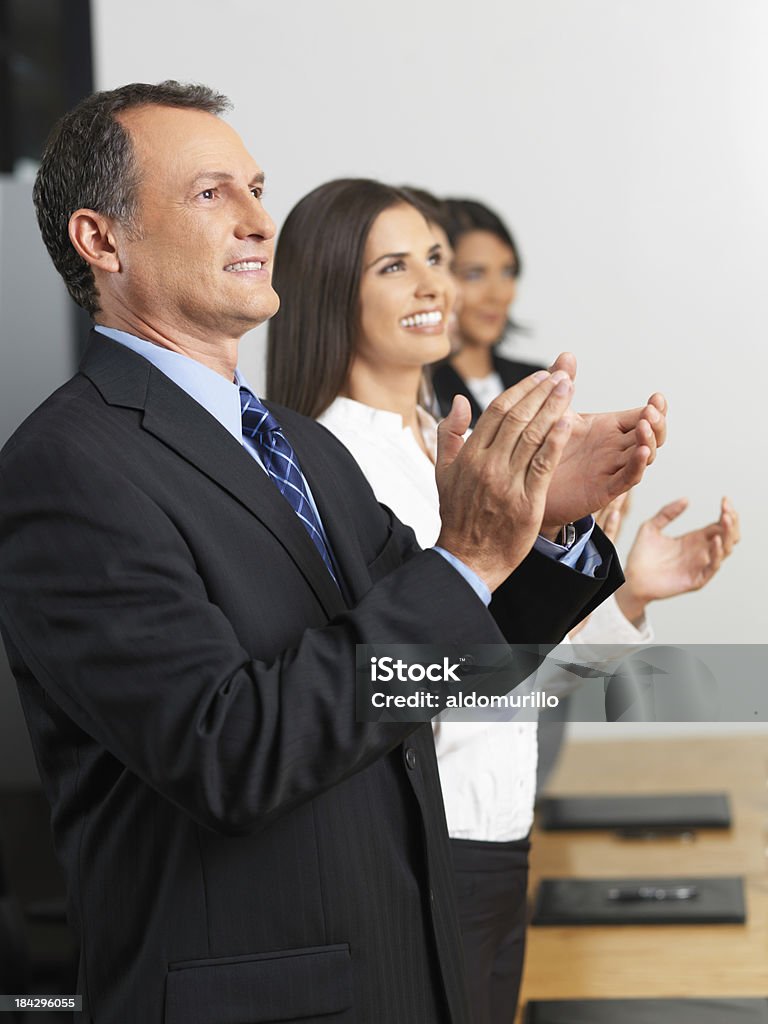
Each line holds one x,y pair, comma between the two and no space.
257,419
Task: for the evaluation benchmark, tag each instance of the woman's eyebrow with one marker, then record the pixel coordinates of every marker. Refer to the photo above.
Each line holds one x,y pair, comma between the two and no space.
387,256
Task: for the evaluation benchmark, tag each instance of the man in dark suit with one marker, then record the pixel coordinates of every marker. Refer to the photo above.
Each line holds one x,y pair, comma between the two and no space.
182,627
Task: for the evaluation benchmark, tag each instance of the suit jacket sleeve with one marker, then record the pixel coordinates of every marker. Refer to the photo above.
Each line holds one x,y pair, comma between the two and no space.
528,606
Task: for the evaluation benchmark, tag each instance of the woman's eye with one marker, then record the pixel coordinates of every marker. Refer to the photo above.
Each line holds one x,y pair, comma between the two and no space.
390,267
436,259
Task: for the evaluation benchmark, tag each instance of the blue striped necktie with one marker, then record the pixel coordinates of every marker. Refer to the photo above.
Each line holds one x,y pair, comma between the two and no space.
282,465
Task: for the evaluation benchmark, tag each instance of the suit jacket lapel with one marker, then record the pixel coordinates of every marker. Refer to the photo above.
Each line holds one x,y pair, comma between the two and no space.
125,378
453,385
512,372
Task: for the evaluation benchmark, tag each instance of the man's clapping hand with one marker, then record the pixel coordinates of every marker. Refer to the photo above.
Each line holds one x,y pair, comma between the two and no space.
607,453
532,465
493,486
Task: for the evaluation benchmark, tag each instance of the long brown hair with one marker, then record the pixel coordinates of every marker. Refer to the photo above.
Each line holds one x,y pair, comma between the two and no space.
318,265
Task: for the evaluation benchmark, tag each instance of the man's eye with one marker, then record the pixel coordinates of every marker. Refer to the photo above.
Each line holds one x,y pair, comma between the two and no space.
208,193
257,191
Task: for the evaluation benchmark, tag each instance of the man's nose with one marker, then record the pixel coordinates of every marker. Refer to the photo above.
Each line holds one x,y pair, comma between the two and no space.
254,220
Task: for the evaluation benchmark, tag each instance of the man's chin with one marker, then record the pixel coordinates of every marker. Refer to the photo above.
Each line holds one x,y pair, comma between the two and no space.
262,310
268,305
275,304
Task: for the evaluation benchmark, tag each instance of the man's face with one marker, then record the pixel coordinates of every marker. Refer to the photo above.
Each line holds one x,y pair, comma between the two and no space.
199,262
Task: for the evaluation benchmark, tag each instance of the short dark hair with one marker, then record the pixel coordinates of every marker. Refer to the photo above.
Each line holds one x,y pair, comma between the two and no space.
89,162
465,215
318,266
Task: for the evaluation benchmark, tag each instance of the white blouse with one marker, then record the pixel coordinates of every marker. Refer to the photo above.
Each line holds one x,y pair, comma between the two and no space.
485,389
487,769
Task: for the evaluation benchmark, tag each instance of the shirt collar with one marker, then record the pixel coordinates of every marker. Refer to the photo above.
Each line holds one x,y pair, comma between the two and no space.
381,419
379,423
218,396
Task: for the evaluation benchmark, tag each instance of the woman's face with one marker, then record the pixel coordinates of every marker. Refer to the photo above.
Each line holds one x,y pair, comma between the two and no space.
486,273
406,293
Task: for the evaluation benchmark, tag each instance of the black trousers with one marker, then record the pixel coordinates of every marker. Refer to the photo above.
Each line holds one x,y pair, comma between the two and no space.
491,882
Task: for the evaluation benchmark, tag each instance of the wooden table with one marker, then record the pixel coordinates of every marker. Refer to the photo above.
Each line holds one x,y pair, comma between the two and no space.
594,962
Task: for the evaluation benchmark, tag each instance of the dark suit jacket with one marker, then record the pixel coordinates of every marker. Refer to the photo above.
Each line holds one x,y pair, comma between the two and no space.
238,848
448,383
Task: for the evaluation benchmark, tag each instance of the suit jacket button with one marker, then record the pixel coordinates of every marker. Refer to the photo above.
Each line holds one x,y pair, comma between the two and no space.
410,758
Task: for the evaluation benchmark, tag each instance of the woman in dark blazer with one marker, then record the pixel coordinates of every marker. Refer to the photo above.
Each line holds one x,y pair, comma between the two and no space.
487,265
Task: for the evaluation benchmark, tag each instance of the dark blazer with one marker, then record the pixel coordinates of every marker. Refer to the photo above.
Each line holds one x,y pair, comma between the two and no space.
238,848
447,382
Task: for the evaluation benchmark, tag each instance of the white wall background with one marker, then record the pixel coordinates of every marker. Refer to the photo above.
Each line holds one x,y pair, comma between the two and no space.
624,140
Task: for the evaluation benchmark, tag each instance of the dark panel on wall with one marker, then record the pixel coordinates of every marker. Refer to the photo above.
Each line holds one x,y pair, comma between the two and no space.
45,68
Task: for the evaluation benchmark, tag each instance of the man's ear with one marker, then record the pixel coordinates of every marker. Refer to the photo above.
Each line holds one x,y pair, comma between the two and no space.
93,237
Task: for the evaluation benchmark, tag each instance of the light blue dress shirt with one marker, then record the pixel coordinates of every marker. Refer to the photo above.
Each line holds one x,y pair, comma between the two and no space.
221,398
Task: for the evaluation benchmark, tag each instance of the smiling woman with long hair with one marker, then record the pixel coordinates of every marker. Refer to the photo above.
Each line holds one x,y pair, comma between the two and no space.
366,297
